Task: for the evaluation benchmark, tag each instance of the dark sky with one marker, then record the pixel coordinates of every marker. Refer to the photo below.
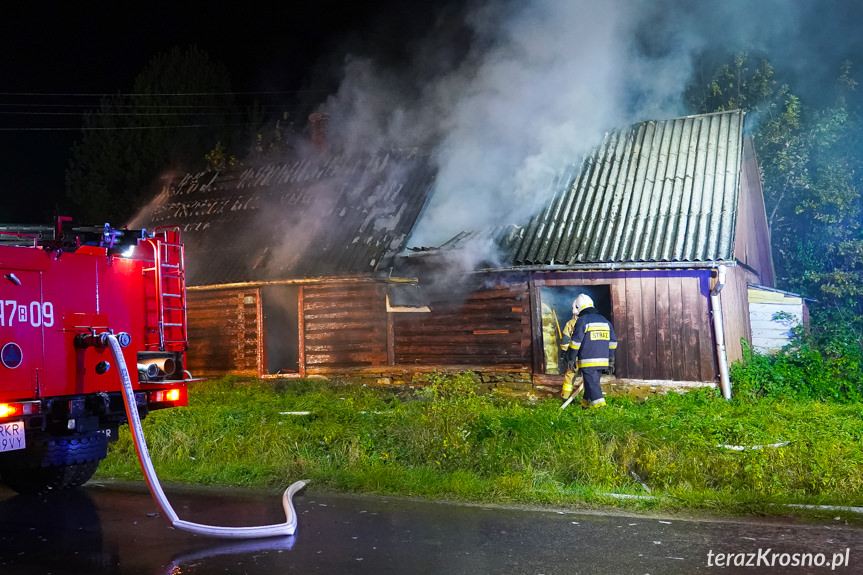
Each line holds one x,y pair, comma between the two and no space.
582,66
51,52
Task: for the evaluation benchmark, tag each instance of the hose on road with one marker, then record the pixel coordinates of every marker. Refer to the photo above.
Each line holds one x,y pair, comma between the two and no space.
277,530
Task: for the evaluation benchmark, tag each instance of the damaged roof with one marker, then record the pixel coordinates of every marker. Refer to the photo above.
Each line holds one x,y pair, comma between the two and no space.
660,191
318,217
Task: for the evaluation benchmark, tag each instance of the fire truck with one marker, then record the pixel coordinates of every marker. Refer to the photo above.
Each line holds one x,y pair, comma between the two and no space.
62,289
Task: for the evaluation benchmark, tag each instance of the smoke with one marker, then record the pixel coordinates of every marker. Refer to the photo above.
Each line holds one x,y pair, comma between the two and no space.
529,88
507,93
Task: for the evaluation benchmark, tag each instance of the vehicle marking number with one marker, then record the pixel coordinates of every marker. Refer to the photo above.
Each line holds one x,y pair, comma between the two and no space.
35,313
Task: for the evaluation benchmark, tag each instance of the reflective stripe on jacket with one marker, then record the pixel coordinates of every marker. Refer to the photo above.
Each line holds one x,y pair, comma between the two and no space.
593,339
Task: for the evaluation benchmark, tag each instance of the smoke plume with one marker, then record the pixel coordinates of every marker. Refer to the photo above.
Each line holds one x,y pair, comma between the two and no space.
505,94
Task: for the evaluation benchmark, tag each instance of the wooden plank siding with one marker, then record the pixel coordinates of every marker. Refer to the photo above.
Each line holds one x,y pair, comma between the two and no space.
661,317
709,368
675,319
752,234
488,327
662,321
223,331
663,324
619,310
633,324
344,326
735,310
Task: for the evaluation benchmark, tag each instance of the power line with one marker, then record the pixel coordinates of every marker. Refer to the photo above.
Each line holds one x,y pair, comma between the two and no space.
96,95
134,114
203,106
91,129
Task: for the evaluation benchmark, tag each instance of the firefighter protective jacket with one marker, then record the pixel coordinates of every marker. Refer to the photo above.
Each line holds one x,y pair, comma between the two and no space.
591,339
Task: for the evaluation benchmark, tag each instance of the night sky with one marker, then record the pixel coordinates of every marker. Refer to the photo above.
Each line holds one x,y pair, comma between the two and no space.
51,53
510,87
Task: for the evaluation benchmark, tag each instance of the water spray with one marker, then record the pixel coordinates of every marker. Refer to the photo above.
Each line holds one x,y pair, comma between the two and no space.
277,530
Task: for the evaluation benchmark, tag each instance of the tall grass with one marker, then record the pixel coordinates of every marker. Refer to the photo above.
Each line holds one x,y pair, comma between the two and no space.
445,441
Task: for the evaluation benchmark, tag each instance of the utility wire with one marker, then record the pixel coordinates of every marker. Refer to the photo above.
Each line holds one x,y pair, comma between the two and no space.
202,106
137,115
91,129
95,95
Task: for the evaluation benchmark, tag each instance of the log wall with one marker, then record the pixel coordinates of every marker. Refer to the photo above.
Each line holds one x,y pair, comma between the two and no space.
344,326
661,317
224,332
487,327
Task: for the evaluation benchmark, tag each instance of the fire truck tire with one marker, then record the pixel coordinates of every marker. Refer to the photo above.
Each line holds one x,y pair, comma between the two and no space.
39,480
54,463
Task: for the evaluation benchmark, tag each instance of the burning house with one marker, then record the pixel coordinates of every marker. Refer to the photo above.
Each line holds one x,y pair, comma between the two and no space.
302,268
288,265
664,226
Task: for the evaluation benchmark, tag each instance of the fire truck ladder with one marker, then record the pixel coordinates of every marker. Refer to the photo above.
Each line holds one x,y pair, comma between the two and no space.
169,275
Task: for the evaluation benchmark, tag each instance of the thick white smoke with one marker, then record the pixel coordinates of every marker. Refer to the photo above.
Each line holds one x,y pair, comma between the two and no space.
537,88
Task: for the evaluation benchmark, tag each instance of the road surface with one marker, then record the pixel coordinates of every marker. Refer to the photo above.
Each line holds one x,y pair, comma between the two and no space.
114,528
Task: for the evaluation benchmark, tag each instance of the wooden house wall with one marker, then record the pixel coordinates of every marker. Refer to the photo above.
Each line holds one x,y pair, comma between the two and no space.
661,318
488,327
344,326
735,310
752,235
224,331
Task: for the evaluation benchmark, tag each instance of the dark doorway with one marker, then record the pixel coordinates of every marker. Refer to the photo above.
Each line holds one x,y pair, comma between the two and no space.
281,329
556,302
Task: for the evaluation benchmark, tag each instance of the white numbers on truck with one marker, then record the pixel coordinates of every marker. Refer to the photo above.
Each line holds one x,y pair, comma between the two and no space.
35,314
47,314
40,314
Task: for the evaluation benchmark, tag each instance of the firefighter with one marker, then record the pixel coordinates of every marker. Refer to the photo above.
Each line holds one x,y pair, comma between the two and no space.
590,343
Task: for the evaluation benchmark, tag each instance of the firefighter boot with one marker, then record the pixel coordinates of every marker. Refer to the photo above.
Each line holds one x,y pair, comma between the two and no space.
593,403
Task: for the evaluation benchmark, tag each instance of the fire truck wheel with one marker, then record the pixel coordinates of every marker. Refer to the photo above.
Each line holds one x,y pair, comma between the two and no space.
34,481
54,463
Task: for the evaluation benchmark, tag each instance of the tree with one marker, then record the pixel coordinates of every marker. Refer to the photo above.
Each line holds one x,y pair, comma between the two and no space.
745,82
180,106
811,164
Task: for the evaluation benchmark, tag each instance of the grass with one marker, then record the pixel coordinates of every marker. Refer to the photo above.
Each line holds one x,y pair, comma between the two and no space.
443,441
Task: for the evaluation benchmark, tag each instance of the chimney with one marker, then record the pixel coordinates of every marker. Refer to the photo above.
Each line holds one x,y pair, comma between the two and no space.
318,129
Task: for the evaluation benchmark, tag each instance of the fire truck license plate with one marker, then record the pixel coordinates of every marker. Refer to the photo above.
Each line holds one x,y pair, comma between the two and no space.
12,436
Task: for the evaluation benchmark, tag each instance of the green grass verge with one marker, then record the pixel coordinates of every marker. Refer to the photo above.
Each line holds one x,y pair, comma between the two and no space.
446,442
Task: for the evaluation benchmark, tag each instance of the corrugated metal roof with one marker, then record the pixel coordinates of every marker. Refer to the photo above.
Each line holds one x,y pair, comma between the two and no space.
309,218
663,191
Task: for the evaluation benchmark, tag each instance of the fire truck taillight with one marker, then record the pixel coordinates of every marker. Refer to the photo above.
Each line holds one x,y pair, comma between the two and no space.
177,396
18,408
10,409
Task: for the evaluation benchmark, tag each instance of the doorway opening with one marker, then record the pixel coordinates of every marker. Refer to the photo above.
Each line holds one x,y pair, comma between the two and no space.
556,306
281,329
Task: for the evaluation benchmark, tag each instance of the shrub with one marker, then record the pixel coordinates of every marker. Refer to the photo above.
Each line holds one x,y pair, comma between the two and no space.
825,366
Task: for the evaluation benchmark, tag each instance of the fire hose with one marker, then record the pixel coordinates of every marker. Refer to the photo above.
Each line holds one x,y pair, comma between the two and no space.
276,530
572,395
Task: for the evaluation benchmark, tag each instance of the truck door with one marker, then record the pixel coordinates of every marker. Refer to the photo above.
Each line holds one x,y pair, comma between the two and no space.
23,315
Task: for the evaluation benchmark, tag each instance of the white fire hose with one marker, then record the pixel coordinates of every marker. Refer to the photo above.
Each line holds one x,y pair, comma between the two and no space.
572,395
282,529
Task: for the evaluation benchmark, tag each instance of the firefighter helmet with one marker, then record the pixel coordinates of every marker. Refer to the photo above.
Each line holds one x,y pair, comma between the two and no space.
581,302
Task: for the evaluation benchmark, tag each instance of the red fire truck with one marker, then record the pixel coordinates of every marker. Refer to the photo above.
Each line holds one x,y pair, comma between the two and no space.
61,289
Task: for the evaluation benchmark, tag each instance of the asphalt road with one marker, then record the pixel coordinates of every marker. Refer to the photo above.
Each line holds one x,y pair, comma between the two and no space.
114,528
